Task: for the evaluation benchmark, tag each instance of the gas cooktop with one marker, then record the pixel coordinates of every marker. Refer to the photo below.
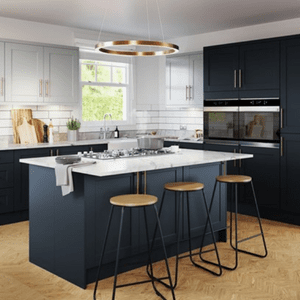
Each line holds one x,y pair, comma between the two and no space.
124,153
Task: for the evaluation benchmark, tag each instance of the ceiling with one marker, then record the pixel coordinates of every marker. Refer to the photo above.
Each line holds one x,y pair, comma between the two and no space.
129,17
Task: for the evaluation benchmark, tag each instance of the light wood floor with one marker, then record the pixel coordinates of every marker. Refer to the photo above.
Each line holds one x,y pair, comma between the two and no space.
276,277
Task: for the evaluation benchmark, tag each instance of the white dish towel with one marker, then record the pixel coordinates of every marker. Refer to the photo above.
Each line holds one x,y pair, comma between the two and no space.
64,177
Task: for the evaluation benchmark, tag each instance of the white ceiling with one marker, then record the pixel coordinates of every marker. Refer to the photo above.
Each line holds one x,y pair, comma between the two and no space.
129,17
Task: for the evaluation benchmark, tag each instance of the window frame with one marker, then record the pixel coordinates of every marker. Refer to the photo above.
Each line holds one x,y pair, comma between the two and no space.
129,108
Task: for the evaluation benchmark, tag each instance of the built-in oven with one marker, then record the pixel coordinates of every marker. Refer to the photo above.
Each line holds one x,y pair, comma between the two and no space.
259,120
221,119
243,120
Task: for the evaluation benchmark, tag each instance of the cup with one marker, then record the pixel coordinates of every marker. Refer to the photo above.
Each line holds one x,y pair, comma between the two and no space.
174,148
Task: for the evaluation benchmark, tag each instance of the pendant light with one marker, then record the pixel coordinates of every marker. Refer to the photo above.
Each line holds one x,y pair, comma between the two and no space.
161,48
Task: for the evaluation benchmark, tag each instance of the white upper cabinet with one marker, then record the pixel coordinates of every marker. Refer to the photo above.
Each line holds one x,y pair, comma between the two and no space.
23,73
39,74
61,75
184,80
1,72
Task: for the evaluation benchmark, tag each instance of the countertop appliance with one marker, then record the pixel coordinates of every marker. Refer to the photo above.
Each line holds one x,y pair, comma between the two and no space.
125,153
251,121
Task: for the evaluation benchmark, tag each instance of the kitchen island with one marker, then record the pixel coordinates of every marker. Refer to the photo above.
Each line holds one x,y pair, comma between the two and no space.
67,233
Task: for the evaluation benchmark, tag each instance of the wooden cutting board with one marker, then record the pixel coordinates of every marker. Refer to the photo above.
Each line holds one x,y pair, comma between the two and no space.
17,116
27,133
39,129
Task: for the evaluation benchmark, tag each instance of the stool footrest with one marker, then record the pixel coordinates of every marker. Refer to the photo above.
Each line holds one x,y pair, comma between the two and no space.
139,282
249,238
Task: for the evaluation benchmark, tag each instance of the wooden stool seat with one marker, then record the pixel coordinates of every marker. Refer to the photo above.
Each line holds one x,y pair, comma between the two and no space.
184,186
234,178
133,200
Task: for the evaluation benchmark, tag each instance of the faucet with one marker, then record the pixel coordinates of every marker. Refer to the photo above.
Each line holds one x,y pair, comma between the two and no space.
106,129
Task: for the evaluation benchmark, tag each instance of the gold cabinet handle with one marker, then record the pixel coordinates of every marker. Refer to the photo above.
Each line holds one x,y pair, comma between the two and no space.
137,182
41,87
51,152
234,162
57,152
145,182
240,78
91,148
190,92
240,162
234,79
281,146
281,118
2,84
47,88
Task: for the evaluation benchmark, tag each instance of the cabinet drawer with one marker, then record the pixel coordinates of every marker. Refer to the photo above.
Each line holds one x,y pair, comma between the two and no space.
6,157
6,200
6,175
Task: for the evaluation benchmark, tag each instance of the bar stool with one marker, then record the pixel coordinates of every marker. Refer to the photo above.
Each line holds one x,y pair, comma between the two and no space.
235,180
181,188
139,201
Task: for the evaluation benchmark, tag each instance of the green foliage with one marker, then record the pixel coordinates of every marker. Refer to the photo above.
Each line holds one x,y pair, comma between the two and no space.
99,100
73,124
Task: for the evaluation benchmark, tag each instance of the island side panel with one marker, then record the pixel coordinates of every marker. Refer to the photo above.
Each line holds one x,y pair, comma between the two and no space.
57,225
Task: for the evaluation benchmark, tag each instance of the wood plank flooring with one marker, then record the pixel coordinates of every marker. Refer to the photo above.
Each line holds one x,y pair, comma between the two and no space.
276,277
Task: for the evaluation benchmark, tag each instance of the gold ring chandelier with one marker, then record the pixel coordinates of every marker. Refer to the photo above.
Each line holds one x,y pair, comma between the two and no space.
169,48
161,48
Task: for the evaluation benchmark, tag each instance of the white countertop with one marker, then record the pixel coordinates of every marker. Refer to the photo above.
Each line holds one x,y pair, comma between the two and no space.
185,157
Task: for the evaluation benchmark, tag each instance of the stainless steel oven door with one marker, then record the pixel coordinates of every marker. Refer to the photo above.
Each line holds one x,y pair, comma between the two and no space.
259,124
221,123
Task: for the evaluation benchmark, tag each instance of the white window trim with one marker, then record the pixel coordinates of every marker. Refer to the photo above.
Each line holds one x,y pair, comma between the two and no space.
130,122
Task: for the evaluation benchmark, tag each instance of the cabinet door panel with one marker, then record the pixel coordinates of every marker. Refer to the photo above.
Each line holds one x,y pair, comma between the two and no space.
219,69
259,64
6,200
179,80
21,176
196,79
1,72
264,170
6,175
290,87
290,166
61,75
24,72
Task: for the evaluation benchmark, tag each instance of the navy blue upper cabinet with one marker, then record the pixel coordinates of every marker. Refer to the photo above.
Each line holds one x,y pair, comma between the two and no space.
259,68
242,70
290,87
220,70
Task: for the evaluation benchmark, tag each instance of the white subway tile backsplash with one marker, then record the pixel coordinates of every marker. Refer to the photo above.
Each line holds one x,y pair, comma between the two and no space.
5,123
6,131
49,107
62,129
5,114
59,114
5,107
40,114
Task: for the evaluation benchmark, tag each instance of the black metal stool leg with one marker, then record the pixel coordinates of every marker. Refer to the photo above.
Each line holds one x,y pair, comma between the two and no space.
118,253
213,237
165,253
103,250
261,232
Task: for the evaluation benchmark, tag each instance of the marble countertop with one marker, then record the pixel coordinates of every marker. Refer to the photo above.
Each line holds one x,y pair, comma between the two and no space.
185,157
185,140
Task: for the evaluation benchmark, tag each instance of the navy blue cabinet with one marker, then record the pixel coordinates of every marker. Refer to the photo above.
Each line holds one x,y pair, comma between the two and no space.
184,145
242,70
290,166
290,87
264,168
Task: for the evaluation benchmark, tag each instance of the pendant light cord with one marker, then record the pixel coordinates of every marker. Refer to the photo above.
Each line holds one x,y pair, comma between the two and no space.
102,26
160,22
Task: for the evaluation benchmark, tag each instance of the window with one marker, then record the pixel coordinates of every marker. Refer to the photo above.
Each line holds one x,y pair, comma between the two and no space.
105,89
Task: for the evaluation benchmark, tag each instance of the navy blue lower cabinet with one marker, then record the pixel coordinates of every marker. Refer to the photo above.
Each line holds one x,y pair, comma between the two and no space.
184,145
67,233
69,150
6,200
290,168
264,168
21,177
98,147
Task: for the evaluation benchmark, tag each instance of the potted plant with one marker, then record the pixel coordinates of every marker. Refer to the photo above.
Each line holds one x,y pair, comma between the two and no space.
73,125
